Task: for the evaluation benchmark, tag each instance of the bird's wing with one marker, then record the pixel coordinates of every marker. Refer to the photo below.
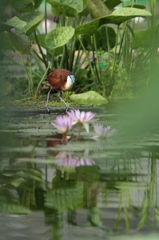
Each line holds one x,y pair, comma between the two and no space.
55,80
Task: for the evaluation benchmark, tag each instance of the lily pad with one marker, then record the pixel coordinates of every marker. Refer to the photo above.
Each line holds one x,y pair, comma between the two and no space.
88,98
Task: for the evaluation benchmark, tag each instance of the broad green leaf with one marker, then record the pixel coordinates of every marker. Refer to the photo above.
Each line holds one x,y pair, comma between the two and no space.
137,6
14,22
117,17
5,42
59,37
25,5
76,4
88,28
41,40
112,3
121,15
20,43
60,8
97,8
32,20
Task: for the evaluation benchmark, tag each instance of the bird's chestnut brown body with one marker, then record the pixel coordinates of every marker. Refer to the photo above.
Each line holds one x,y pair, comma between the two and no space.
58,79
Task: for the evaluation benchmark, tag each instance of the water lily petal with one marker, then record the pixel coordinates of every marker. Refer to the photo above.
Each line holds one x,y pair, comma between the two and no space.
86,126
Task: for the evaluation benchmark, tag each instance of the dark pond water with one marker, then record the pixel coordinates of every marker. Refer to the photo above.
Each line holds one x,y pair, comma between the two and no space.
86,189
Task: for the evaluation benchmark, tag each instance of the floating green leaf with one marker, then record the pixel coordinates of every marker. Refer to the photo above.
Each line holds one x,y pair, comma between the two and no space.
59,37
60,8
88,98
14,22
32,21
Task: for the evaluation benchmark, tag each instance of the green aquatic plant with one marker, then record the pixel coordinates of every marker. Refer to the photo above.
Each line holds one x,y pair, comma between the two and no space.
70,41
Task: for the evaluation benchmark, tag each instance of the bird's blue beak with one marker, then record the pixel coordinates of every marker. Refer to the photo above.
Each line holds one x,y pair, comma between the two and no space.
72,78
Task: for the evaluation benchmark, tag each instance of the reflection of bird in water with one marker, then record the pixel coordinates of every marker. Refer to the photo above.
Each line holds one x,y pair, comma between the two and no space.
60,80
57,139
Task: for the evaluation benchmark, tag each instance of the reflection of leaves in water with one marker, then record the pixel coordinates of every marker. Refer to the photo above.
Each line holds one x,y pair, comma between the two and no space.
70,196
26,183
88,174
10,204
31,189
94,217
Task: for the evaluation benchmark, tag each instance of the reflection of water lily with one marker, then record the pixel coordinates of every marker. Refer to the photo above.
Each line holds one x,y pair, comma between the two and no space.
67,161
101,131
85,162
82,118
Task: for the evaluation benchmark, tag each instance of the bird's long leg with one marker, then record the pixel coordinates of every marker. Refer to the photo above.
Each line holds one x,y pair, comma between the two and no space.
47,101
59,96
66,105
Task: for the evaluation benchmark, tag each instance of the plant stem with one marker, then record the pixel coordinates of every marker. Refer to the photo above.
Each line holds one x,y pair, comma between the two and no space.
43,56
87,55
79,132
46,31
42,79
96,65
63,140
115,53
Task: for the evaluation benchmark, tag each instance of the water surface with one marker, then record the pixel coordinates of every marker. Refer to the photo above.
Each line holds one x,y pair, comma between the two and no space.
86,189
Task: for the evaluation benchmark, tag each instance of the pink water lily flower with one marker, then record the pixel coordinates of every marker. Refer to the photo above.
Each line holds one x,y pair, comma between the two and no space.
63,124
101,131
81,117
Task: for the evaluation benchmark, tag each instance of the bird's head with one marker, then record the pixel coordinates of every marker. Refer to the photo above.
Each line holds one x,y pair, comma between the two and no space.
71,78
69,81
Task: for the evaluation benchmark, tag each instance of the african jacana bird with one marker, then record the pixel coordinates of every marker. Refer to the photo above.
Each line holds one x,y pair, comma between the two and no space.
60,80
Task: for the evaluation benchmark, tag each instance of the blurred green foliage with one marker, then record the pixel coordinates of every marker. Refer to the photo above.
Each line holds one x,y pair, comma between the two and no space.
81,34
